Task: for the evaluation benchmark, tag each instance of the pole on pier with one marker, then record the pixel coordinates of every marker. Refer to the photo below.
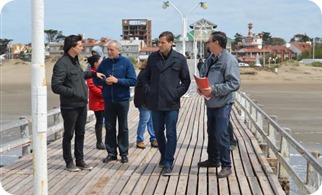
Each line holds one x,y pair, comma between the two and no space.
39,100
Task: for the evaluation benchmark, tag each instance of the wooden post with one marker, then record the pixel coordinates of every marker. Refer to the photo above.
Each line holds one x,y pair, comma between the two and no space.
312,176
285,152
24,132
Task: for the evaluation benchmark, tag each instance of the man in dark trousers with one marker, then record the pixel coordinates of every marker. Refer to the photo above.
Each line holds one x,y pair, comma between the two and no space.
222,70
120,76
165,80
68,80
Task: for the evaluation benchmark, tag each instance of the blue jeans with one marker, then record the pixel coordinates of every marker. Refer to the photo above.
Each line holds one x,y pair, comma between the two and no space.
116,111
145,121
167,145
218,135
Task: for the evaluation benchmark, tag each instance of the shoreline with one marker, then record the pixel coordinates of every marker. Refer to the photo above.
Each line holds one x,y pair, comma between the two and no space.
294,93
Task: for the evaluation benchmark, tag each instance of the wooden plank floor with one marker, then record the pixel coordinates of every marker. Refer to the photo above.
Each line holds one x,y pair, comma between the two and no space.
251,172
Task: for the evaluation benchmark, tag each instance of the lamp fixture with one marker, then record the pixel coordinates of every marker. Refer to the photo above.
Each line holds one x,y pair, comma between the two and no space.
204,5
165,4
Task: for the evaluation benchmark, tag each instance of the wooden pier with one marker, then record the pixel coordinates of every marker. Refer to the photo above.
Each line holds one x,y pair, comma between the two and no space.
251,171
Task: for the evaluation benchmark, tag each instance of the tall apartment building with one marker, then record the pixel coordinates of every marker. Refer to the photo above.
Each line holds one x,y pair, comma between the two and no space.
137,29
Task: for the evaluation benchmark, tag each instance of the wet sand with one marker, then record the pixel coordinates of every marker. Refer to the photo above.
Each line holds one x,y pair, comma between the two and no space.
294,95
298,106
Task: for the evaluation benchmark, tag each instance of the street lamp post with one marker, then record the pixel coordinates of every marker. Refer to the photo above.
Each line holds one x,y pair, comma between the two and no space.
184,20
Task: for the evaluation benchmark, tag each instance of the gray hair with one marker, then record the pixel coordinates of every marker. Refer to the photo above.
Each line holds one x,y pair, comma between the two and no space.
118,45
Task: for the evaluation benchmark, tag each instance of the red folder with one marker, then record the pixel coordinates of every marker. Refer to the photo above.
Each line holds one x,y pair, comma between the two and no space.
202,82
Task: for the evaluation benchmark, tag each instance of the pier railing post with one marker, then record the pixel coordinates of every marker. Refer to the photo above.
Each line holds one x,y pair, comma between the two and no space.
24,131
259,121
248,110
253,113
285,153
271,157
242,101
57,120
312,176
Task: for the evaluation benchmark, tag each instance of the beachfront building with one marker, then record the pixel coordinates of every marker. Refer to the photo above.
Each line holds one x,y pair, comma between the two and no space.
146,51
132,47
140,29
299,47
56,48
281,53
89,43
250,50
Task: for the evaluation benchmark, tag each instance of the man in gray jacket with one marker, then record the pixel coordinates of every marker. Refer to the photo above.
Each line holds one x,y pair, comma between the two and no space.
222,70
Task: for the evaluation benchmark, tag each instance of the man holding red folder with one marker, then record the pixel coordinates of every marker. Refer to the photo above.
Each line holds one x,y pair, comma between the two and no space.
222,70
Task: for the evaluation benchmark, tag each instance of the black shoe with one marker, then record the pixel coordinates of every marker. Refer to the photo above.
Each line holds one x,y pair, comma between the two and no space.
109,158
71,167
225,172
161,163
124,159
232,147
82,165
166,171
208,163
100,146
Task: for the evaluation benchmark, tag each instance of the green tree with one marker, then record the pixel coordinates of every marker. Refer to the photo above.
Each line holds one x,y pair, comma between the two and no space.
238,38
267,38
318,50
54,35
277,41
155,42
3,45
300,38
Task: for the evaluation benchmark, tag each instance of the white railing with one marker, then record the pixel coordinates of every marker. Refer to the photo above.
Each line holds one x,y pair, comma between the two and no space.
276,143
24,123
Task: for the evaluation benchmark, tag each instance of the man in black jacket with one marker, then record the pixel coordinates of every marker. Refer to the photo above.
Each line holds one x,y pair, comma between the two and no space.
68,80
165,80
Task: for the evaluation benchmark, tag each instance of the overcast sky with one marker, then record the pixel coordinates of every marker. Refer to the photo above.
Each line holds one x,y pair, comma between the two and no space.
103,18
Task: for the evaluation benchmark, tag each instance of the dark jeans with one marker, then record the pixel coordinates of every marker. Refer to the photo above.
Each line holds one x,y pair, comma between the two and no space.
99,115
117,111
167,145
74,121
218,135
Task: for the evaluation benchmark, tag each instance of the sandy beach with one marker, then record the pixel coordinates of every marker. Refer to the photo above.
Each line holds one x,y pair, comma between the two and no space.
293,94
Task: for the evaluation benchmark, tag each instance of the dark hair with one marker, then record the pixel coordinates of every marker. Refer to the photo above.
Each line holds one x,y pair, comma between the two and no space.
169,36
220,37
71,41
92,59
143,64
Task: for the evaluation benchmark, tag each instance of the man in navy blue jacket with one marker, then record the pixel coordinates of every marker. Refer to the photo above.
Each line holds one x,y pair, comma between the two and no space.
120,75
165,80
